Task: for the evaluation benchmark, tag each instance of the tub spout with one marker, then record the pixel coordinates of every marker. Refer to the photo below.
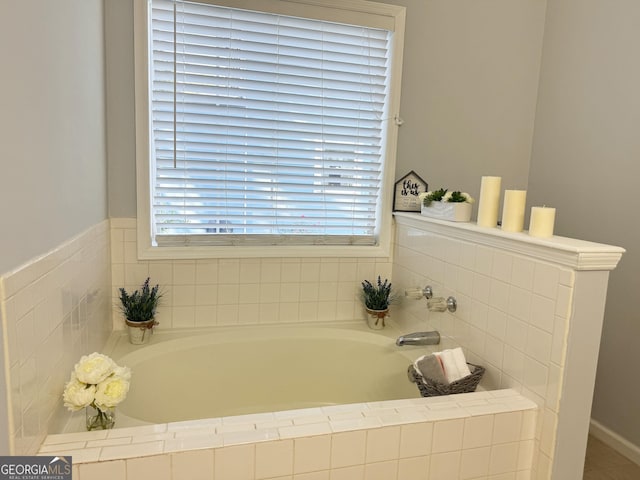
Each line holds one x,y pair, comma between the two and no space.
419,338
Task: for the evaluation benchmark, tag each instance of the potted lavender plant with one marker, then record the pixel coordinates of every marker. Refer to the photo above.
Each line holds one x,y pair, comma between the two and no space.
139,310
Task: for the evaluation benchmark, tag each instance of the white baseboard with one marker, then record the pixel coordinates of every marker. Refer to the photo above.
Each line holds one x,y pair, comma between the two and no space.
615,441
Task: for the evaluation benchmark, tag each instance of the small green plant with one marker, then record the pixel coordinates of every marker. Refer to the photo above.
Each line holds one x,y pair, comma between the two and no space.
443,195
140,306
378,296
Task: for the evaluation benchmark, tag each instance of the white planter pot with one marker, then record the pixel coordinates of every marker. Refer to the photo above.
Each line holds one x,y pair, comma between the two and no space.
375,318
452,211
140,332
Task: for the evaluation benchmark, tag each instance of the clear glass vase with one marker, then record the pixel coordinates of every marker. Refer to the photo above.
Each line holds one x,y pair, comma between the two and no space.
100,419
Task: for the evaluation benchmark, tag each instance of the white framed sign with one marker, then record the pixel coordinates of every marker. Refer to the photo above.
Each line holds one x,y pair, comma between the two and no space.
407,189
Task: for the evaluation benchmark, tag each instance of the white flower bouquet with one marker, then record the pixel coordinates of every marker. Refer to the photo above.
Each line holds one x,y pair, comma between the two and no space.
96,381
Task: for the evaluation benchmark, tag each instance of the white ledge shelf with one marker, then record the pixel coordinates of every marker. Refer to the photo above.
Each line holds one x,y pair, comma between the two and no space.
570,252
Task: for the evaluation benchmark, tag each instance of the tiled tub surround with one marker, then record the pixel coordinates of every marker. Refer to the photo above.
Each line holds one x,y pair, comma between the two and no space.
481,436
55,309
529,309
202,293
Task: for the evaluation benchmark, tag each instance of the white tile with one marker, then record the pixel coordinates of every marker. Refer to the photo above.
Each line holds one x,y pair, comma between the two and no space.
478,431
157,467
381,471
312,454
416,439
348,448
444,466
499,295
504,458
274,459
414,468
130,451
354,424
545,280
102,470
447,435
484,260
481,288
507,427
523,272
493,351
549,425
502,266
563,302
516,334
236,462
520,303
347,473
525,454
474,463
542,312
191,442
497,323
383,444
195,465
304,430
536,376
539,344
513,363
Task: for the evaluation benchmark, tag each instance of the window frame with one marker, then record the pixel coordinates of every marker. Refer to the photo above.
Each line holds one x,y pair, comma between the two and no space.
145,248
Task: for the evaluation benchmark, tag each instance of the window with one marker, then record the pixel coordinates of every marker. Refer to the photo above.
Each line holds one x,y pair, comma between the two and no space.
271,127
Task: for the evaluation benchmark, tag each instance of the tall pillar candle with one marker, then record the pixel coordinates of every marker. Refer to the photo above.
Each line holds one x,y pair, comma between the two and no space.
489,202
513,210
542,221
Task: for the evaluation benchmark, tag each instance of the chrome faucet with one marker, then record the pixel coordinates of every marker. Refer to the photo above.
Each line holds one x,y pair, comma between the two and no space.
440,304
419,338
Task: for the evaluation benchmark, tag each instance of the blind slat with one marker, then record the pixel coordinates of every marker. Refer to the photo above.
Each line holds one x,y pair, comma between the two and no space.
265,126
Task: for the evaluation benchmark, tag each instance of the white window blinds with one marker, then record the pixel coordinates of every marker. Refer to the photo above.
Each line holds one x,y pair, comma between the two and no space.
266,128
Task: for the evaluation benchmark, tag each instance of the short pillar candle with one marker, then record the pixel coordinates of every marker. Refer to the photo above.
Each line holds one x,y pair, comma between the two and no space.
513,210
489,202
542,221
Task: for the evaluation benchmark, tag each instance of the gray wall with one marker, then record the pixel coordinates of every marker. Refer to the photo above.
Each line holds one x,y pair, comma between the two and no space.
585,162
468,101
53,180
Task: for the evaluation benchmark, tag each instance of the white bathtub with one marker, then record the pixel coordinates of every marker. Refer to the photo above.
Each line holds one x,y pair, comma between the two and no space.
259,369
214,402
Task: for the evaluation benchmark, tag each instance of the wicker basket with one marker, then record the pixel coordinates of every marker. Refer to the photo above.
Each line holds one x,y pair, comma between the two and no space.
431,388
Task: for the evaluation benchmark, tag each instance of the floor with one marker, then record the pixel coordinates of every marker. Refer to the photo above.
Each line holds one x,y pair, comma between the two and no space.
604,463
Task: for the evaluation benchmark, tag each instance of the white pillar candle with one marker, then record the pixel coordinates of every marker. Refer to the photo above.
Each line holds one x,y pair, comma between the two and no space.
542,220
489,202
513,210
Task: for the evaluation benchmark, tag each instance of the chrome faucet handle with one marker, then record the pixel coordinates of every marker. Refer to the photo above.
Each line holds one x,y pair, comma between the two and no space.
440,304
418,293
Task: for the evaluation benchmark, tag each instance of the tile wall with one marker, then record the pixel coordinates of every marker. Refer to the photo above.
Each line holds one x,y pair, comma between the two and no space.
481,436
243,291
57,308
512,316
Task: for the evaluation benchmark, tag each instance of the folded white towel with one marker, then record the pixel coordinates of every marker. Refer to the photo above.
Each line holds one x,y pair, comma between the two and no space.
449,366
461,362
454,364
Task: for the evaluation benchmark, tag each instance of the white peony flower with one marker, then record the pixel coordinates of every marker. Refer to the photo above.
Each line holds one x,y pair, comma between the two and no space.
446,197
123,372
78,395
112,391
469,198
94,368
